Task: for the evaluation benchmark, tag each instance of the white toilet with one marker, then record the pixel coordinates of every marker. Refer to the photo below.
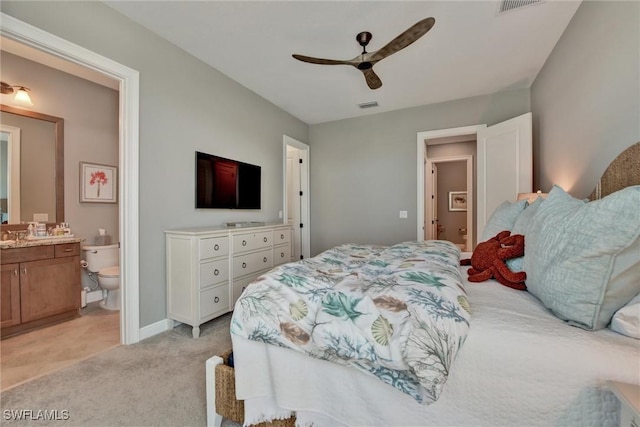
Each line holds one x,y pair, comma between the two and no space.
105,262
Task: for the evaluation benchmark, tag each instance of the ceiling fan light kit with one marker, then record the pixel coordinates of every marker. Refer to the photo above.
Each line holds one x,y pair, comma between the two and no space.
365,61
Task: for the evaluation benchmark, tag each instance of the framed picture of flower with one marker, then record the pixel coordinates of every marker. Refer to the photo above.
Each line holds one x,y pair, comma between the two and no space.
98,183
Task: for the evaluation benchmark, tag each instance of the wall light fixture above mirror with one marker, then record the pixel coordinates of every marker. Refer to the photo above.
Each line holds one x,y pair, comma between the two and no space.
22,97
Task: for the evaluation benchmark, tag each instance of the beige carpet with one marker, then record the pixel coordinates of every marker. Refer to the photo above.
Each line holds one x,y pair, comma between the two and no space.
157,382
45,350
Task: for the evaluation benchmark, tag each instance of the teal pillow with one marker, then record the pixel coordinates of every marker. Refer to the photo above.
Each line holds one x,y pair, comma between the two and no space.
583,260
522,226
503,218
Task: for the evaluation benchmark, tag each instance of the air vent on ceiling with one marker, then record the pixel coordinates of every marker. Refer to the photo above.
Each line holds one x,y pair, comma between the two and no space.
370,104
507,5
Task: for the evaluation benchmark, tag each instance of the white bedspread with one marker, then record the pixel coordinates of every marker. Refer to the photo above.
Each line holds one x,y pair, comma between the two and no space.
520,366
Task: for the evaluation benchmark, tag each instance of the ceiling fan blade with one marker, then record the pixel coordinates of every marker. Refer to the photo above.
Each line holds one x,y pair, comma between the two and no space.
372,78
320,60
409,36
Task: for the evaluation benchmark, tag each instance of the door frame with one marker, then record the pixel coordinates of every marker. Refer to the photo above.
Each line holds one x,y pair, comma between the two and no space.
128,181
468,159
422,141
13,165
305,233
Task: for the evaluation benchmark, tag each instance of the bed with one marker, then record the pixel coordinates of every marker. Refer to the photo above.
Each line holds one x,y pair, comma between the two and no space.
535,358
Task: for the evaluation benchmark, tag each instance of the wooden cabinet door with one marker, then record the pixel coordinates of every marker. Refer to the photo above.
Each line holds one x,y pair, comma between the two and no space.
10,295
49,287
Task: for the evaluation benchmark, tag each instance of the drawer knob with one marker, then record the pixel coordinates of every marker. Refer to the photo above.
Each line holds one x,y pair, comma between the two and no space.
281,254
216,247
264,239
264,259
244,265
282,237
216,299
68,250
216,272
244,243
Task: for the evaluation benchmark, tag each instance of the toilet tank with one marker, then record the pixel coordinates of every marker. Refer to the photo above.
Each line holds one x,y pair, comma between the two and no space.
99,257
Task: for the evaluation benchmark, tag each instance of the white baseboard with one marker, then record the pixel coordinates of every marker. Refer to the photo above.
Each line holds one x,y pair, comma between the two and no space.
156,328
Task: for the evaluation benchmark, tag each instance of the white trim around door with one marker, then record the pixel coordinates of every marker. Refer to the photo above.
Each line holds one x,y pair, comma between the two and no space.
305,230
422,142
129,84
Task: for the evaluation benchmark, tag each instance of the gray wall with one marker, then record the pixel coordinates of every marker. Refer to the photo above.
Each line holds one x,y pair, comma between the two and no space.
90,114
185,106
363,171
586,99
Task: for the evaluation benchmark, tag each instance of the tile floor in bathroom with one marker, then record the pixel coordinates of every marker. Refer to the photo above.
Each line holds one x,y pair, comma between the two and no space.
33,354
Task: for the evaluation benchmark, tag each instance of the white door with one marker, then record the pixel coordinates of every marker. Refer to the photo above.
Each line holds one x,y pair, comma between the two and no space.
296,194
293,197
431,205
505,165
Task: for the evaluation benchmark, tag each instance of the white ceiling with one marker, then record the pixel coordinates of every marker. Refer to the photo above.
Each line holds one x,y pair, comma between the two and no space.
471,50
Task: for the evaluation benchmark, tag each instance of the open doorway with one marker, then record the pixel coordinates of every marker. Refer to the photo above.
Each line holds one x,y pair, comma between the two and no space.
449,213
128,85
444,146
296,195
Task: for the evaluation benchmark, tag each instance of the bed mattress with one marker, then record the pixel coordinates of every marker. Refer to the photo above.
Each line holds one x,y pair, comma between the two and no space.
520,365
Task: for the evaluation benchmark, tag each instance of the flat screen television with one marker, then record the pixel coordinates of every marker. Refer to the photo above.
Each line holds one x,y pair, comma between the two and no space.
226,184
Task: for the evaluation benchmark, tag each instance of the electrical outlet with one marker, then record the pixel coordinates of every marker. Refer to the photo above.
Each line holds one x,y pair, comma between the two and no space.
403,214
280,214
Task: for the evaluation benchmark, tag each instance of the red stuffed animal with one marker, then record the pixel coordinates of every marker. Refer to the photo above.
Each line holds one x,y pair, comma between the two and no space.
487,260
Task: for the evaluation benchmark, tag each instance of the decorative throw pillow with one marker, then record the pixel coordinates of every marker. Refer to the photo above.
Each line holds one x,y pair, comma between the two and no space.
503,218
626,321
522,226
583,260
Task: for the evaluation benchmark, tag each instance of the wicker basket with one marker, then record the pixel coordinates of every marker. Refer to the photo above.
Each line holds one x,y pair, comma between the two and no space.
226,403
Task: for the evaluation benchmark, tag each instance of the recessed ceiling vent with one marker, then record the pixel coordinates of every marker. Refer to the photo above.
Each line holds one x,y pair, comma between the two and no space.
507,5
370,104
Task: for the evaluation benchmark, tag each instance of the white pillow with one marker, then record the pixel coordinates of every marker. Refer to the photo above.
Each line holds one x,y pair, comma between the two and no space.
626,321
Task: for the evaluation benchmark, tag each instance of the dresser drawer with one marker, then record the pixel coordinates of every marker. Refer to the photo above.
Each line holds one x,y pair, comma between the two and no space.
239,286
281,236
251,263
213,247
214,300
281,254
212,272
252,241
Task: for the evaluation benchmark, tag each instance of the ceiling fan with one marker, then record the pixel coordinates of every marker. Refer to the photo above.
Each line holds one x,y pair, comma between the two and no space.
366,60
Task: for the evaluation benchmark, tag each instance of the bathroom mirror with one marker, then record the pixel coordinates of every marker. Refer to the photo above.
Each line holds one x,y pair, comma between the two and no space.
31,167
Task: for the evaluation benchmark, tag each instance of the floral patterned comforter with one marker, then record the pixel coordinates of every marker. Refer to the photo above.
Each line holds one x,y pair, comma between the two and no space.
397,312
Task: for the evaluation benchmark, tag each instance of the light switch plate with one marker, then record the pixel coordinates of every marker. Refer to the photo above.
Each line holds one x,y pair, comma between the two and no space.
403,214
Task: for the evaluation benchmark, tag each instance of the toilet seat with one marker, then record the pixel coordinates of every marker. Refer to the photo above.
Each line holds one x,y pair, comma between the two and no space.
109,272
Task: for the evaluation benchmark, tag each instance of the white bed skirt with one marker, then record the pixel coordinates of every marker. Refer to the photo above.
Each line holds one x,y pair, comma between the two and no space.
520,366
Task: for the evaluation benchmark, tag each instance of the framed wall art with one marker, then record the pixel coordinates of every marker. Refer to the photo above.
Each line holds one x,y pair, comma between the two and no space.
457,201
98,183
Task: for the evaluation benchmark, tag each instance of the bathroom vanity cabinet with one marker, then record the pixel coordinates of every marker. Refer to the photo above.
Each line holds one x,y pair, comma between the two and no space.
208,268
40,285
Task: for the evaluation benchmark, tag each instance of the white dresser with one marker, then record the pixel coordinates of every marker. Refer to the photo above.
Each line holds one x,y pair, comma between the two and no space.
209,267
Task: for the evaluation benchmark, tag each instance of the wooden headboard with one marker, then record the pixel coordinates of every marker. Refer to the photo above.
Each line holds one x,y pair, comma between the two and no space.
624,171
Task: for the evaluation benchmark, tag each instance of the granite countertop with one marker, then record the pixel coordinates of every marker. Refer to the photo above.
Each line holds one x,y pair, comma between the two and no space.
26,243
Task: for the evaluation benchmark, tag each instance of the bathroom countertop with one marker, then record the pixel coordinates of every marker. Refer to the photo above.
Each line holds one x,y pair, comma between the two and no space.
26,243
